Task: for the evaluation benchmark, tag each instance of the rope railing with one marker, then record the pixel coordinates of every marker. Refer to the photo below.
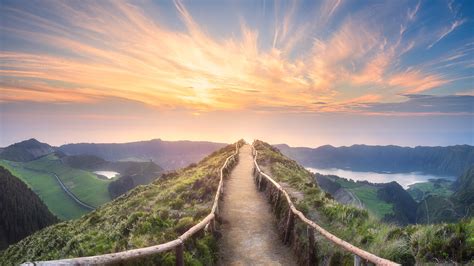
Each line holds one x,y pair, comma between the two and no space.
359,254
177,244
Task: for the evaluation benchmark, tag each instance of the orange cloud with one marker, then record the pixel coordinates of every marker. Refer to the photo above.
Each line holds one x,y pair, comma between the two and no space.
115,50
416,82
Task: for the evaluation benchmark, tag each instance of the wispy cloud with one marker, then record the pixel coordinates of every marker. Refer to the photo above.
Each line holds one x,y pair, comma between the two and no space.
457,23
425,105
97,50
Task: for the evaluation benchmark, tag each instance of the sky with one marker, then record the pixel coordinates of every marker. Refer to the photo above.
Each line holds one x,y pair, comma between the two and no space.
305,73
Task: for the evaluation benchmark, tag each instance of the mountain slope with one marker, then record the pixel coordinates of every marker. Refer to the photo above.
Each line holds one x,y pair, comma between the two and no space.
25,151
168,154
131,174
147,215
447,207
408,245
47,188
78,176
451,160
464,189
21,210
387,201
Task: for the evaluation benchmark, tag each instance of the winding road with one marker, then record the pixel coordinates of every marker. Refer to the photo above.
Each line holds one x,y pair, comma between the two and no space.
64,188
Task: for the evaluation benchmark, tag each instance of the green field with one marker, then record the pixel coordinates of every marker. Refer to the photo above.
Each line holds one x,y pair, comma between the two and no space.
84,185
47,188
368,196
434,187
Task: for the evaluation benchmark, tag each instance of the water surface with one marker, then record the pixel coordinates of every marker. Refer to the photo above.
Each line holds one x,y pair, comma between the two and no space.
108,174
404,179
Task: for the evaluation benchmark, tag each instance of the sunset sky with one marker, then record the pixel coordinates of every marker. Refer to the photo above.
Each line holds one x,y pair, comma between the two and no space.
306,73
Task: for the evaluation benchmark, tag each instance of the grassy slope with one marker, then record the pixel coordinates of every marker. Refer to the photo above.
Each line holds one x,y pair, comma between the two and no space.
368,196
83,184
146,215
438,187
442,242
47,188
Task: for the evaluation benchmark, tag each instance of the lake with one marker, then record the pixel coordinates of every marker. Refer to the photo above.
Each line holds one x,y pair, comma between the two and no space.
108,174
404,179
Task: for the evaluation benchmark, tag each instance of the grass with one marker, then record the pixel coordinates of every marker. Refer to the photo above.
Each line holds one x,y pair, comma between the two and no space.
145,216
47,188
83,184
368,196
434,187
406,245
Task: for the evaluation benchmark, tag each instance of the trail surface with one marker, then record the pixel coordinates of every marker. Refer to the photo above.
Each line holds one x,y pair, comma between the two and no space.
249,231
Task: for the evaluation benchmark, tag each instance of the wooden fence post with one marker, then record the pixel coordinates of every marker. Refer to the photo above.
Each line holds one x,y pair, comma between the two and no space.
289,226
275,206
180,255
357,260
259,182
311,246
213,224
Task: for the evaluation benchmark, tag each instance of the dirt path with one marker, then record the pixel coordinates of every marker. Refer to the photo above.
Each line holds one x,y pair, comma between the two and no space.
249,234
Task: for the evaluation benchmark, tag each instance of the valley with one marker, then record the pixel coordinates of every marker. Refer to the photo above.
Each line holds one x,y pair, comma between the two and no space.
388,202
167,207
268,132
47,188
427,194
73,185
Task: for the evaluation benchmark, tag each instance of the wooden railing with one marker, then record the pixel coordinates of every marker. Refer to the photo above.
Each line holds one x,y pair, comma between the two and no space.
359,254
178,244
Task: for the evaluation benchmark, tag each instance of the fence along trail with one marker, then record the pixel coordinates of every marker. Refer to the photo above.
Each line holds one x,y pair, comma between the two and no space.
249,234
249,231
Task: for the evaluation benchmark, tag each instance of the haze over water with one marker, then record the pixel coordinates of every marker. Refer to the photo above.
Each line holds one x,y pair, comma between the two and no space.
404,179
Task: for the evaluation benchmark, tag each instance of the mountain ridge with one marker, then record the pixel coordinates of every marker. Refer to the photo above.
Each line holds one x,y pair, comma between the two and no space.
449,160
26,150
168,154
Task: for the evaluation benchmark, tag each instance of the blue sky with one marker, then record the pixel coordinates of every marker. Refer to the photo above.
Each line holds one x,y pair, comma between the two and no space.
339,72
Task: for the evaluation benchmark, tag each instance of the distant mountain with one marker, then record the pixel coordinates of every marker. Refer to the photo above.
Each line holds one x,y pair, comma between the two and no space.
388,201
464,189
25,151
451,160
168,154
21,210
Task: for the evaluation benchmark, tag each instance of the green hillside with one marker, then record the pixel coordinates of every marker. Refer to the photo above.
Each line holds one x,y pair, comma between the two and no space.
147,215
449,202
21,210
388,202
39,175
464,189
434,187
365,193
25,151
77,174
407,245
47,188
83,184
